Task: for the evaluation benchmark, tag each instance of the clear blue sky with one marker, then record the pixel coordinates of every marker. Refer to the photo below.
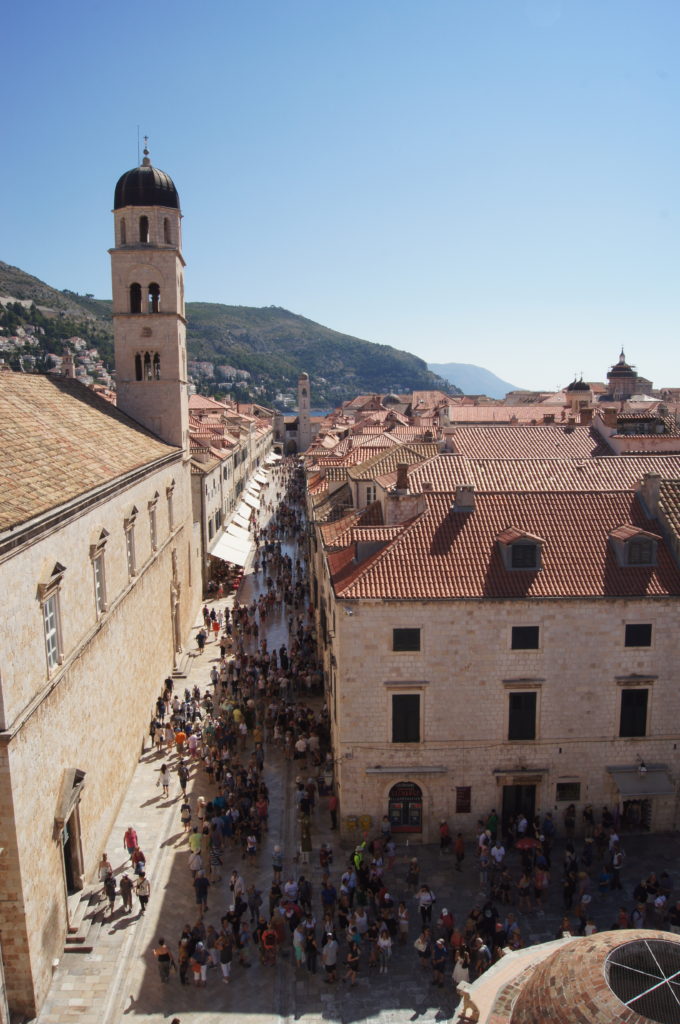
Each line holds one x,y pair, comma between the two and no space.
484,181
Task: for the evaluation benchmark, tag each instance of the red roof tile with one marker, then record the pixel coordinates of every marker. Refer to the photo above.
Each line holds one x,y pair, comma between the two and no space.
447,555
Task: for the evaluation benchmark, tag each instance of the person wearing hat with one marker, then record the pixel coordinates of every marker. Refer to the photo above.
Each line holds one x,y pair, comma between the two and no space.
446,923
439,957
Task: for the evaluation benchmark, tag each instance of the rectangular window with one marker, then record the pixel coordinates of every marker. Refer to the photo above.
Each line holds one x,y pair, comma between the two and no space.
51,624
405,639
99,584
522,719
130,551
370,493
524,638
641,552
153,528
568,792
638,634
171,509
463,799
633,712
524,556
406,718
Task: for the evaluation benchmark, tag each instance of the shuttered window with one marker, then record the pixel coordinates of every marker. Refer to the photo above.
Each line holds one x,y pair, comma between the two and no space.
406,718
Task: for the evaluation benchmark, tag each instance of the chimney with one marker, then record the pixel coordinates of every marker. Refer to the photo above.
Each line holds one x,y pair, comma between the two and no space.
402,477
649,492
426,485
586,417
610,418
465,498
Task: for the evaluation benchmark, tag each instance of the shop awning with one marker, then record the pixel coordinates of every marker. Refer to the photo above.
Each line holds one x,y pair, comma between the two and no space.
633,784
250,500
260,477
273,457
232,549
238,533
253,486
241,518
243,510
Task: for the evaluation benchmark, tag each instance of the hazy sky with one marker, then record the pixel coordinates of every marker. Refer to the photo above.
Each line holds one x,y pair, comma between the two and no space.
484,181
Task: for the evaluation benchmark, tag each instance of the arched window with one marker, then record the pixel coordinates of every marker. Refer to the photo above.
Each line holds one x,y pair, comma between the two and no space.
135,298
147,366
166,231
138,367
144,230
154,298
157,367
123,233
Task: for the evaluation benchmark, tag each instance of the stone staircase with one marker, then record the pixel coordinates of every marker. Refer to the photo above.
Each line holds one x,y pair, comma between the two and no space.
87,916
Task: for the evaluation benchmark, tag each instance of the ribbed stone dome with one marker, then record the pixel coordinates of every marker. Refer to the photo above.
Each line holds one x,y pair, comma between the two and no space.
617,977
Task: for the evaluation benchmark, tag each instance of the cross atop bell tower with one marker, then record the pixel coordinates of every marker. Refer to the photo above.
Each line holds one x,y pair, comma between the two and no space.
149,326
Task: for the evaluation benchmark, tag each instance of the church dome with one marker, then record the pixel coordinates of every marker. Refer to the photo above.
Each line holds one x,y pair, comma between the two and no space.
618,976
578,385
145,186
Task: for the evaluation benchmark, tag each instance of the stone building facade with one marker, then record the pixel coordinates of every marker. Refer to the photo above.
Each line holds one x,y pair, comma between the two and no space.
503,651
100,572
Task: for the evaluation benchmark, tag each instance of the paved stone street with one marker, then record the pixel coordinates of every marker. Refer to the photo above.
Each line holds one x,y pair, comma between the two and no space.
119,980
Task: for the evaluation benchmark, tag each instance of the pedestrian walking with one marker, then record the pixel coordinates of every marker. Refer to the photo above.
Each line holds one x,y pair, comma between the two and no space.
164,959
126,886
110,889
143,890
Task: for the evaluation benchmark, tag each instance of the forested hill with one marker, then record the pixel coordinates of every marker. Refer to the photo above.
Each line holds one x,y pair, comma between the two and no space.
272,344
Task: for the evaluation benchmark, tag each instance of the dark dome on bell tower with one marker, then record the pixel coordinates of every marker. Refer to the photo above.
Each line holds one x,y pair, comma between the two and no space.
145,186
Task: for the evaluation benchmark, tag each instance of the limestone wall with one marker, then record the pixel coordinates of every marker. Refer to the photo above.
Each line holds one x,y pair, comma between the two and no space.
464,674
92,713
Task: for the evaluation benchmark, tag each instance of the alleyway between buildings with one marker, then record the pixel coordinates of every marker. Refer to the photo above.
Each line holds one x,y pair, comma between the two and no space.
119,979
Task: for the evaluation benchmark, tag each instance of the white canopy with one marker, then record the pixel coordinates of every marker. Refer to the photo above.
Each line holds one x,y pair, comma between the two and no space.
241,518
250,500
241,535
230,550
273,457
260,476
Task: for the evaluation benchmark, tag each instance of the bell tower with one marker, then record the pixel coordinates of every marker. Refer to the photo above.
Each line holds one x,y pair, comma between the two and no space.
149,326
304,431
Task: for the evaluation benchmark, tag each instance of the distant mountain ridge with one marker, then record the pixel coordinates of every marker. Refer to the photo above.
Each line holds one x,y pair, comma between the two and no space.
473,380
271,343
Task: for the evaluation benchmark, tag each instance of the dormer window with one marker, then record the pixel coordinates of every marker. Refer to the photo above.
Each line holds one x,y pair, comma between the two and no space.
524,556
634,547
520,550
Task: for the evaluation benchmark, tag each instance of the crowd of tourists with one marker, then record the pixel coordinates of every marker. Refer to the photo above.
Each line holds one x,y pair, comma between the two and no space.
260,704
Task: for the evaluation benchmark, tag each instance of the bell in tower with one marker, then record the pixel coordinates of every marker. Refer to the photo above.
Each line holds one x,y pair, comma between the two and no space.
149,326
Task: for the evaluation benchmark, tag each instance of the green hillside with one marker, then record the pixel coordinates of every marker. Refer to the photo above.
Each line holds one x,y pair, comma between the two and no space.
273,345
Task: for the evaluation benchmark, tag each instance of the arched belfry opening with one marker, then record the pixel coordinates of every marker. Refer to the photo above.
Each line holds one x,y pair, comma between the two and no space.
147,366
156,367
135,297
144,230
154,298
123,232
167,237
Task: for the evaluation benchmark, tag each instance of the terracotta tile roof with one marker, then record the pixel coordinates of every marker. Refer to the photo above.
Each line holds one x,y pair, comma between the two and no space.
385,462
474,414
669,505
332,506
448,555
611,472
544,442
338,534
58,439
